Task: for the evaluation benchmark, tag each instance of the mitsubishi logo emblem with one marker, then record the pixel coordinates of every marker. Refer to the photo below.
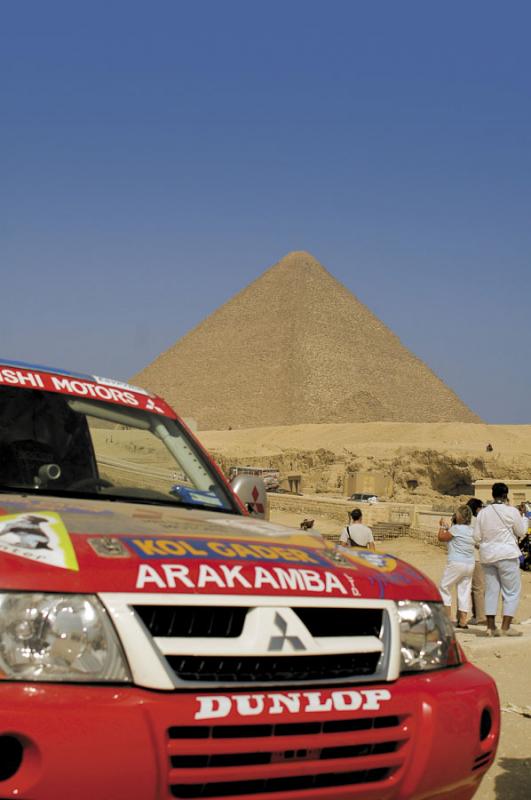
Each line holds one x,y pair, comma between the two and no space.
277,642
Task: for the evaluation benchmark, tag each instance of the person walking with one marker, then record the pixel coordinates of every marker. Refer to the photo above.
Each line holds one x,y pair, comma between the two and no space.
357,534
460,564
499,527
478,578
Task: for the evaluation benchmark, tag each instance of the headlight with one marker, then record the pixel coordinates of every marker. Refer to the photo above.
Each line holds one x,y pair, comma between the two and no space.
427,637
55,637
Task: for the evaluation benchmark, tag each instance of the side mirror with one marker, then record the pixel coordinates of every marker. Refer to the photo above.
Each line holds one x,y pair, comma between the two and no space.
252,493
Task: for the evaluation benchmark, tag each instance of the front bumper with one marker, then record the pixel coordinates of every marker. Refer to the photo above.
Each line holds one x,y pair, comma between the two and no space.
435,736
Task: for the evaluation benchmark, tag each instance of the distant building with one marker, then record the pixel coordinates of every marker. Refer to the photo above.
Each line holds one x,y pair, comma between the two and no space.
519,491
371,483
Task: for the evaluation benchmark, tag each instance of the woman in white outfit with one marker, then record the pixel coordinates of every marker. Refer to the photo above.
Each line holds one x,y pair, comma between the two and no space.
460,565
499,527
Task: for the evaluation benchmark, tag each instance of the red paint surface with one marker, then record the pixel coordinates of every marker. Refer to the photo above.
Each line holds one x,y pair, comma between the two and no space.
26,378
112,743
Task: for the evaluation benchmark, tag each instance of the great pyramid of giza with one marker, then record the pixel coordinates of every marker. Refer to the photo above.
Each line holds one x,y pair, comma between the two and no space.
293,347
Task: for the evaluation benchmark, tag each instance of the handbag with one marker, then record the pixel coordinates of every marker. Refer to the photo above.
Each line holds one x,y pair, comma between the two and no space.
352,543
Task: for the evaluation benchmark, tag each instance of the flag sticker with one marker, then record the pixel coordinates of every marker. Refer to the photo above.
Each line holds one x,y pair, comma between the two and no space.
40,537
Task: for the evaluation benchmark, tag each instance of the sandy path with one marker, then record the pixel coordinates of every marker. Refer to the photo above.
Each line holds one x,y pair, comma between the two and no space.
506,660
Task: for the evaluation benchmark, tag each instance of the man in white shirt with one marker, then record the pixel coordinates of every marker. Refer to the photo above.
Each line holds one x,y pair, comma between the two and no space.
498,529
357,534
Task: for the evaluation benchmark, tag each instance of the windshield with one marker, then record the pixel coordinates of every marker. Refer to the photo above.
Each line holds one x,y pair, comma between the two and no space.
53,443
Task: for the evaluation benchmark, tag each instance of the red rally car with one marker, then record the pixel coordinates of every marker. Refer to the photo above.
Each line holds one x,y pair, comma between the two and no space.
158,641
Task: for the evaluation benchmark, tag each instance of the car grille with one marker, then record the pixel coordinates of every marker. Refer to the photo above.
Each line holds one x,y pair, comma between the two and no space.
285,757
227,621
209,644
203,621
272,668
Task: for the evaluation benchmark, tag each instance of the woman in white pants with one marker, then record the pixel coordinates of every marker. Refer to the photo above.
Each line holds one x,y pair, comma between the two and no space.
460,565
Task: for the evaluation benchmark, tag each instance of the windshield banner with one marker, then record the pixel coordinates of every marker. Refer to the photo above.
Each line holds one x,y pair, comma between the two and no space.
97,389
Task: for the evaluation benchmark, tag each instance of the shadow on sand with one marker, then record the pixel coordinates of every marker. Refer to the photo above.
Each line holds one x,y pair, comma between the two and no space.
515,781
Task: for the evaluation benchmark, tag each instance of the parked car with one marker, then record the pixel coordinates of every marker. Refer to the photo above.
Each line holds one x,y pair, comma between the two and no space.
157,641
360,497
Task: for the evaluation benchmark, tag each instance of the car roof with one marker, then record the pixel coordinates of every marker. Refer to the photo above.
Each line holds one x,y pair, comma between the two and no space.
57,371
21,374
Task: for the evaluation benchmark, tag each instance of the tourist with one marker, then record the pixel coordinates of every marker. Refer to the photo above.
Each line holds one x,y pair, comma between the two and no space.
460,564
499,527
357,534
478,578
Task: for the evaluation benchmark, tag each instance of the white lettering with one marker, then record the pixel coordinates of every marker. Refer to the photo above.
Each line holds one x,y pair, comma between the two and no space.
373,697
103,393
289,578
9,376
263,576
27,377
61,384
249,705
212,706
90,389
225,577
21,378
314,702
312,580
148,574
79,388
354,589
346,701
116,395
232,574
209,575
285,702
332,583
178,572
130,398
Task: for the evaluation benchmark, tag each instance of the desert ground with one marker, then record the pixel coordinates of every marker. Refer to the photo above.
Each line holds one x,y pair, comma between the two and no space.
445,458
507,660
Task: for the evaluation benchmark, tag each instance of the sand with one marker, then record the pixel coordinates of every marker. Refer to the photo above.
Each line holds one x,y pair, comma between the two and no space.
444,458
506,660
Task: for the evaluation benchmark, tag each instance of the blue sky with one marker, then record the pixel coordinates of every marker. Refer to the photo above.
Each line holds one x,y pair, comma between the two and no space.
157,157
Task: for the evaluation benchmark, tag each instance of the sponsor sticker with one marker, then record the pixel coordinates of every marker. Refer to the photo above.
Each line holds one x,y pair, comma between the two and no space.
77,386
243,577
219,706
222,550
39,536
109,547
119,384
367,558
196,496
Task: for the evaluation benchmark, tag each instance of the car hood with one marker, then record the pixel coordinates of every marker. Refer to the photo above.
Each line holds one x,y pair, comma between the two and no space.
76,545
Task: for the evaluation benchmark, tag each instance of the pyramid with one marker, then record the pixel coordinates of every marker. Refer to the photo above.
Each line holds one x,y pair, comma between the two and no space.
295,346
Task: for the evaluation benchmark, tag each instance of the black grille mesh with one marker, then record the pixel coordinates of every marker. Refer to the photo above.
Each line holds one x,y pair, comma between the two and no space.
281,728
267,785
266,756
263,669
227,621
184,621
